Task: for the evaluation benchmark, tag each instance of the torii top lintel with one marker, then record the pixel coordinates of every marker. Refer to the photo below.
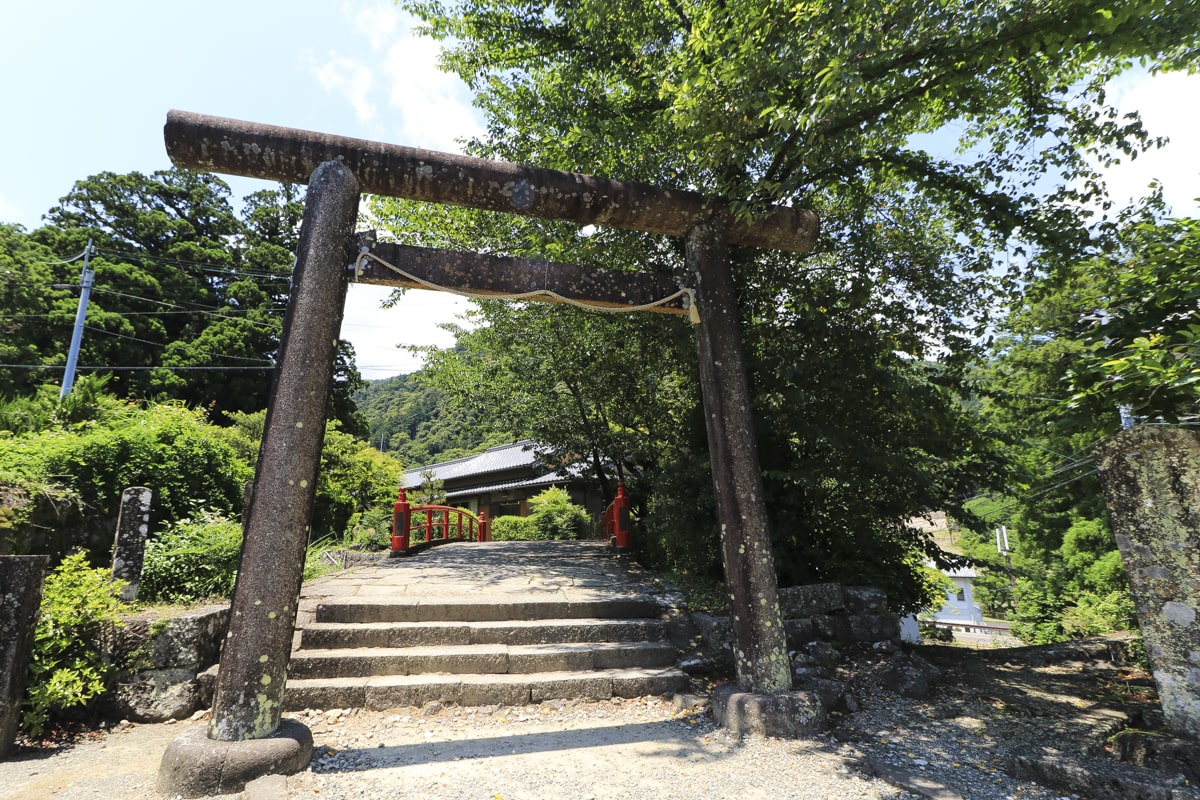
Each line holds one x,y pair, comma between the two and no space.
235,147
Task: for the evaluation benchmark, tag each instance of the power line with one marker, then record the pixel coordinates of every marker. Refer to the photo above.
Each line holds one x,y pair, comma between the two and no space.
205,266
70,260
161,344
138,369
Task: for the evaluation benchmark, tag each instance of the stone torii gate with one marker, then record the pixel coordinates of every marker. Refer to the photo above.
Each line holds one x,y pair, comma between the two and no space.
252,673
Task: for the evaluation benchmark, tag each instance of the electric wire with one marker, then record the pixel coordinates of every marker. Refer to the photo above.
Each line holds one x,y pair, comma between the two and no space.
140,369
67,261
203,265
162,344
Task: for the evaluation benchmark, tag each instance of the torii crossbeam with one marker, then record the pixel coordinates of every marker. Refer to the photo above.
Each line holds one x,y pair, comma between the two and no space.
252,672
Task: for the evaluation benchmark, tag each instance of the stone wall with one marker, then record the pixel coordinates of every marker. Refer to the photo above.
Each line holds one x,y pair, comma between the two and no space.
165,653
824,612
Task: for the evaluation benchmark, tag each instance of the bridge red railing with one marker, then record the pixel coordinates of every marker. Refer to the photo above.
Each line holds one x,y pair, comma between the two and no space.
417,527
615,524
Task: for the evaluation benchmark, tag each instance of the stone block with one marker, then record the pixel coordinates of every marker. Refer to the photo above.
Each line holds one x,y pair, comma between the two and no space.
871,628
595,686
806,601
1161,753
384,693
154,696
864,599
799,632
21,580
197,766
647,683
791,715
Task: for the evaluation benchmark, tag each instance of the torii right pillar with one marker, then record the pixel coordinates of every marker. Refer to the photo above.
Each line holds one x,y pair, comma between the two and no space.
762,701
1151,480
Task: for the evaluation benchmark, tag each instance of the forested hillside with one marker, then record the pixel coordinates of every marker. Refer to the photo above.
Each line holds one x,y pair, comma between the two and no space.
417,424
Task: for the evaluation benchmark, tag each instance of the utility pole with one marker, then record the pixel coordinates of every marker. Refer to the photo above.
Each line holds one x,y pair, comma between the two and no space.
77,334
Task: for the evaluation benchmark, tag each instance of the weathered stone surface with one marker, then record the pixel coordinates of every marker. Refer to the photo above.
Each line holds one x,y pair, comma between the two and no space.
874,627
760,650
154,696
250,683
1095,777
799,632
154,641
790,715
909,675
865,599
1161,753
167,654
129,547
1151,481
197,766
807,601
21,580
235,147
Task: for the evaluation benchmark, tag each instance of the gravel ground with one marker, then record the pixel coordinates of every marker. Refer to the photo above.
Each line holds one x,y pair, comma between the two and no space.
952,744
643,749
635,749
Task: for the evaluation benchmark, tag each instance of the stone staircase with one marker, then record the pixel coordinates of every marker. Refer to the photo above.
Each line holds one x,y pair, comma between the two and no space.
506,647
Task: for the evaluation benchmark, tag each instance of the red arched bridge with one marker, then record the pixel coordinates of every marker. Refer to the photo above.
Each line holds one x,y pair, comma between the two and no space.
417,527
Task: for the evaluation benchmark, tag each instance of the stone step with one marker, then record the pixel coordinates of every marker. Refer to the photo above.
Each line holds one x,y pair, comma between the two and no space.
487,659
331,635
380,693
384,609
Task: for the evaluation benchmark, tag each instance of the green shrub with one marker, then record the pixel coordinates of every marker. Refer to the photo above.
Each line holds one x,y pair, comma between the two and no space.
80,606
370,529
192,560
556,517
513,529
1096,615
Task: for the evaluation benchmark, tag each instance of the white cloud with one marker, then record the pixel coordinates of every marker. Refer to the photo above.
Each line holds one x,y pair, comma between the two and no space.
377,333
379,23
1167,107
435,106
352,79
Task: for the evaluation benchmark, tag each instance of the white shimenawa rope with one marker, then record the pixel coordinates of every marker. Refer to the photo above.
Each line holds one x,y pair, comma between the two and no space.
693,311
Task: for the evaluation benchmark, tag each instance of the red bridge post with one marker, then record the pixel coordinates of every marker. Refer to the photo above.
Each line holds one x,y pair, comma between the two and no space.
621,522
485,527
401,519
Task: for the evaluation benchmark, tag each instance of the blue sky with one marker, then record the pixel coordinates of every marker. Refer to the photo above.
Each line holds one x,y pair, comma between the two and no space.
88,86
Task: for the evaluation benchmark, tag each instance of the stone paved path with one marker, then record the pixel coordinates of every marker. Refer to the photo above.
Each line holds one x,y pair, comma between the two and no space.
495,572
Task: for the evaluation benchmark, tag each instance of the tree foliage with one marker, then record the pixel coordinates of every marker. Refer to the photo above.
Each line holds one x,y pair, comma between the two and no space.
413,421
856,350
1140,345
187,300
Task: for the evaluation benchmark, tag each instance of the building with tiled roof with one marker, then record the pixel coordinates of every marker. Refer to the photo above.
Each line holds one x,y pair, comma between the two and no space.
500,480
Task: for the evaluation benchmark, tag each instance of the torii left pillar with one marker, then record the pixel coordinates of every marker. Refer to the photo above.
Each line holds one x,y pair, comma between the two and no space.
247,737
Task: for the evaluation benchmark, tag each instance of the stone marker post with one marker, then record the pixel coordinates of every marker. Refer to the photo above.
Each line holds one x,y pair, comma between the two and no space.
129,548
1151,481
21,580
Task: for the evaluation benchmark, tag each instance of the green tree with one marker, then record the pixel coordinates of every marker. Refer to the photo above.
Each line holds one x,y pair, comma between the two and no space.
604,391
1140,344
857,349
188,297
